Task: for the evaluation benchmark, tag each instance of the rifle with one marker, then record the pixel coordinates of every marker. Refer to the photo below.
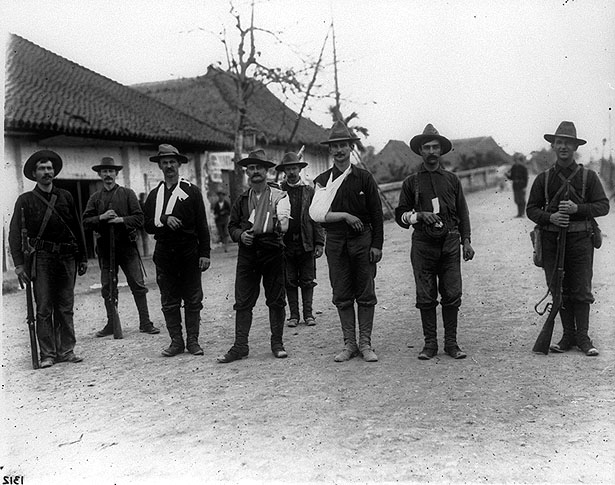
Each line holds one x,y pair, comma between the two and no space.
543,341
30,318
113,297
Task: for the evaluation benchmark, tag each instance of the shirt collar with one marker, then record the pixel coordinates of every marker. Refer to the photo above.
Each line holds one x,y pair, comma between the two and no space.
440,169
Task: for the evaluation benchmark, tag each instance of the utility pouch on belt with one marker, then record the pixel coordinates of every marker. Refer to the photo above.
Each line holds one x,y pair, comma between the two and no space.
596,234
536,237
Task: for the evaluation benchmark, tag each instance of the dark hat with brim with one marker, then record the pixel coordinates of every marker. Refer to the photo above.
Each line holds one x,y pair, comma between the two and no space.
340,132
166,150
107,162
30,164
566,129
290,159
429,134
256,157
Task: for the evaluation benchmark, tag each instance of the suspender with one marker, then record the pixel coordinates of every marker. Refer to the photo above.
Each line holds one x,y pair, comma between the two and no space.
566,182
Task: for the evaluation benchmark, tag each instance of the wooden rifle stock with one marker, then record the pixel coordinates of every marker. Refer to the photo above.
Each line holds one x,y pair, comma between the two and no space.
543,342
113,290
31,316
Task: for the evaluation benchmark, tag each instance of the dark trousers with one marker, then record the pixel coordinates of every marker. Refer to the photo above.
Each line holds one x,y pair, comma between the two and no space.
519,196
350,271
437,268
300,267
54,292
254,264
222,227
179,278
127,258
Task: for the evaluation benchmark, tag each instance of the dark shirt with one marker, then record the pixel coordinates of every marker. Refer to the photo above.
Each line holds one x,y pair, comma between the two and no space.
191,213
64,225
518,175
358,195
596,203
294,224
438,183
126,205
221,212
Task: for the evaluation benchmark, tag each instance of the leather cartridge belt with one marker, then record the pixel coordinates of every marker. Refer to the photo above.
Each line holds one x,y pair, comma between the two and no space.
573,226
53,247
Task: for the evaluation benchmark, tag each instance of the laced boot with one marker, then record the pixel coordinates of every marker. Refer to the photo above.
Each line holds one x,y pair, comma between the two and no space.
449,318
581,316
307,295
430,333
292,295
240,348
347,319
108,328
569,339
277,315
173,321
193,321
145,325
366,324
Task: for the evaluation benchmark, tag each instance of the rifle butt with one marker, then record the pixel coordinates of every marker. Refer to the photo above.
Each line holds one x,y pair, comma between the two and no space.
31,320
543,342
117,325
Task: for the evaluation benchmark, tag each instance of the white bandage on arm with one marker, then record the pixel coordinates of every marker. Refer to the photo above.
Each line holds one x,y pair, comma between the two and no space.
410,217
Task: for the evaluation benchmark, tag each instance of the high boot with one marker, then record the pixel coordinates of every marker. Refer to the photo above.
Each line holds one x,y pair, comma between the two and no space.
108,328
292,295
193,322
430,333
145,324
307,295
449,319
347,319
366,324
581,316
569,339
173,319
277,315
243,323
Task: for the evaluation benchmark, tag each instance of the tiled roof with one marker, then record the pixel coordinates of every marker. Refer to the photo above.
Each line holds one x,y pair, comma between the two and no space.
50,94
212,99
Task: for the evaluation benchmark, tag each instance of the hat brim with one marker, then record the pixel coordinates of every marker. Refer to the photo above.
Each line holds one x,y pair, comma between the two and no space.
419,140
98,168
280,167
244,162
551,138
56,161
180,158
336,140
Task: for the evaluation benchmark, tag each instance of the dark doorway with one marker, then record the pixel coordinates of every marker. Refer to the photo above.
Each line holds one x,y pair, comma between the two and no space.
81,191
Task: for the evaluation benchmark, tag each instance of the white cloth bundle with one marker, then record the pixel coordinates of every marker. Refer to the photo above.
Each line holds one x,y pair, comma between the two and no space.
323,196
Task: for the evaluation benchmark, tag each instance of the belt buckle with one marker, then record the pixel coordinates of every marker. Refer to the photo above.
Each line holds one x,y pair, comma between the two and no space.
55,248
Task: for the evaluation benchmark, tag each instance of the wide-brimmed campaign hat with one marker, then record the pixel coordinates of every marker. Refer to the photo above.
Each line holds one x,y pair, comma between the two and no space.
166,150
256,157
430,133
340,132
30,164
107,162
290,159
566,129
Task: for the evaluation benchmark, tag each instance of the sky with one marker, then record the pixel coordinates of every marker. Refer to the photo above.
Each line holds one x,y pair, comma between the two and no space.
511,69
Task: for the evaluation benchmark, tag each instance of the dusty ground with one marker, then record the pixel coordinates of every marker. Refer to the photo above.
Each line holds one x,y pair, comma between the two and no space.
503,415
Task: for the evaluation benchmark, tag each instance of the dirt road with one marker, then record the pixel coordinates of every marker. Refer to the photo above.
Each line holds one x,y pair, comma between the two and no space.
503,415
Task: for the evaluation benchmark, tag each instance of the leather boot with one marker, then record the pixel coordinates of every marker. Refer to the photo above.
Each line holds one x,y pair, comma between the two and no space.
569,339
307,295
145,324
108,328
430,333
243,322
449,319
366,324
173,319
347,319
193,322
277,315
292,295
581,316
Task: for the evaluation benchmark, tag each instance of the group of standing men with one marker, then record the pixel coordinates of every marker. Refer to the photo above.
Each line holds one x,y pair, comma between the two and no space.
281,231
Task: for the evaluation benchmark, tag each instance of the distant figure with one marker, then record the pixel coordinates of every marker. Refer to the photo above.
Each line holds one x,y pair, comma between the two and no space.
143,236
518,175
433,203
55,233
304,241
259,218
222,211
347,204
175,215
118,206
574,196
